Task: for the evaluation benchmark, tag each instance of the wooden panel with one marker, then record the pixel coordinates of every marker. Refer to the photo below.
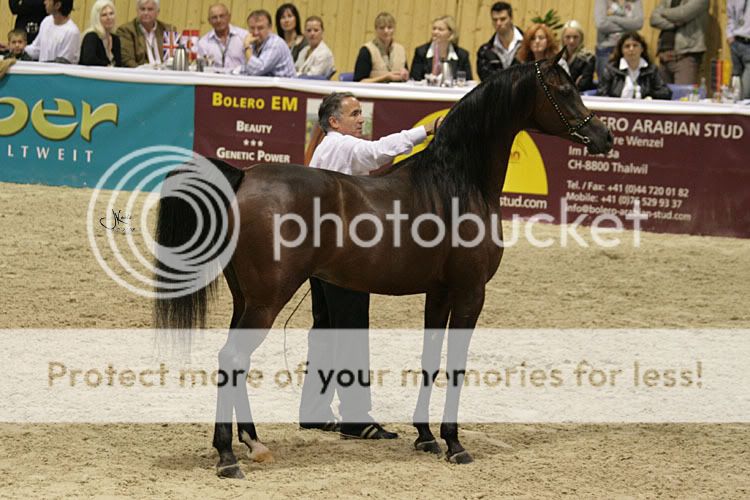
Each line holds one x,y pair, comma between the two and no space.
350,23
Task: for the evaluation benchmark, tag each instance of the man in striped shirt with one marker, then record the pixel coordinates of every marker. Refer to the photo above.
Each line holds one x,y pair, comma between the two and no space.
266,53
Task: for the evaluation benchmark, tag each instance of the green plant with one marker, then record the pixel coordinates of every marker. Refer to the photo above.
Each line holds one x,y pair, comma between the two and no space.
551,19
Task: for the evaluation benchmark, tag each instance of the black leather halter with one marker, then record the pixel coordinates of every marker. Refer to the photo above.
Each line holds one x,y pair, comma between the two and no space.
573,131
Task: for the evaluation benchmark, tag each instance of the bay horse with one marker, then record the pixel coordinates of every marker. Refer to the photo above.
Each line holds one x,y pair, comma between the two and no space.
466,161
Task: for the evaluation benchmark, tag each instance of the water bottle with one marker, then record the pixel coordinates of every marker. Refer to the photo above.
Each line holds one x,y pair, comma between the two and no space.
702,90
446,74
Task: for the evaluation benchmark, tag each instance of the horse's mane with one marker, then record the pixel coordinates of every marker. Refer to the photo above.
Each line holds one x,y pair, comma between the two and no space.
459,161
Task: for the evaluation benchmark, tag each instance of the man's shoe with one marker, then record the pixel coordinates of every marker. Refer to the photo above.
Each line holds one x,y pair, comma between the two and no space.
365,431
330,426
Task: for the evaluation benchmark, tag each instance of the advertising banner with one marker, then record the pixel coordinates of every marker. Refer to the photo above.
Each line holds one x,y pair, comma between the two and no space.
63,130
687,173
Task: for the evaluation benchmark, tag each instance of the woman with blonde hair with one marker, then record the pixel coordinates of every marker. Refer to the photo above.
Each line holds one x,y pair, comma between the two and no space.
578,62
100,46
443,47
538,43
382,60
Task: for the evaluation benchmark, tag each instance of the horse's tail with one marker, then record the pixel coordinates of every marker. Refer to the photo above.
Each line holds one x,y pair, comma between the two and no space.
194,200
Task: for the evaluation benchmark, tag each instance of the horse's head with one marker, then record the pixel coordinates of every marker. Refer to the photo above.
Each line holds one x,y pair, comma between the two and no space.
560,111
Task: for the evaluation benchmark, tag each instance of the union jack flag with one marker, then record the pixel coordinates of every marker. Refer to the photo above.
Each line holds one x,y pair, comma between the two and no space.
172,41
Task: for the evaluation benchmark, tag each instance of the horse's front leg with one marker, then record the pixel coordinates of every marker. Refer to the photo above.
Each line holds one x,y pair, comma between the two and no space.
437,310
466,309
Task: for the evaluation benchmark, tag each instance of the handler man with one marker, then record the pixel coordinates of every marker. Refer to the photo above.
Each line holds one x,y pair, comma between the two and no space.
335,308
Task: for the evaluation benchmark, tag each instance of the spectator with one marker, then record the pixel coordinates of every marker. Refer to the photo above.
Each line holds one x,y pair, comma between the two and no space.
29,15
335,308
289,27
266,54
59,39
315,58
682,40
142,39
382,60
224,45
738,37
612,19
16,45
443,47
538,43
100,47
630,73
500,51
578,62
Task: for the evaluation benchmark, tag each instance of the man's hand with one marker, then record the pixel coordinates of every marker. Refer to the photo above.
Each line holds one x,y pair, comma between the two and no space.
431,128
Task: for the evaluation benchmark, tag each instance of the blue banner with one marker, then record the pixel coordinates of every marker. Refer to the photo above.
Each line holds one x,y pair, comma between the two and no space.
65,130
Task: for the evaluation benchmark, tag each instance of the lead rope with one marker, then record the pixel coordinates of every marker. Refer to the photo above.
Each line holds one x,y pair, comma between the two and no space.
286,361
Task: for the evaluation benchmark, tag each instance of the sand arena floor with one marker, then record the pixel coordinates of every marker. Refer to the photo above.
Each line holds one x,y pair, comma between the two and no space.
51,280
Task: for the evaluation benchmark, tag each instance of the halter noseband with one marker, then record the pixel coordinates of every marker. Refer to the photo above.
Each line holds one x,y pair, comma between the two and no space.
572,131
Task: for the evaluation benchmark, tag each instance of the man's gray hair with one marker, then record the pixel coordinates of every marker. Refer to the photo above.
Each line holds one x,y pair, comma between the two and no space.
140,3
331,106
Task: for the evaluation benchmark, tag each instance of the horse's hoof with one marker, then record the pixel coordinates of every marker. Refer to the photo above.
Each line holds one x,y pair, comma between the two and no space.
261,456
462,457
231,471
428,447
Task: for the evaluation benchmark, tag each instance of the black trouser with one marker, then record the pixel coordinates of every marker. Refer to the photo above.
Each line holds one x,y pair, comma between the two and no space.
338,361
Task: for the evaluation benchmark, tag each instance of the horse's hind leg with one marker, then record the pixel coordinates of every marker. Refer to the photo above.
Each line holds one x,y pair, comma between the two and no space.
464,316
437,310
234,363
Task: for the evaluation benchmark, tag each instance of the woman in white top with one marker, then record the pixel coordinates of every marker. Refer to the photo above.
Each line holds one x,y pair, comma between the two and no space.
315,59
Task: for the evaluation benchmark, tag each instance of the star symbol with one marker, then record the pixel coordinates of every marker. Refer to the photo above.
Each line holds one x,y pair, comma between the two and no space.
246,142
252,143
260,143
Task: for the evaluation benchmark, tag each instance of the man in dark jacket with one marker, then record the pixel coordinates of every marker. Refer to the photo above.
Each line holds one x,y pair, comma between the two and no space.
500,51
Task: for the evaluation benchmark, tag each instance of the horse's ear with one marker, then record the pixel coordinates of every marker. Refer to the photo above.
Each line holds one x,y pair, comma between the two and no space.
559,55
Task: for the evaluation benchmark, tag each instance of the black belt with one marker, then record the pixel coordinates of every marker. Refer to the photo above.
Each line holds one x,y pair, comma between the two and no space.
742,39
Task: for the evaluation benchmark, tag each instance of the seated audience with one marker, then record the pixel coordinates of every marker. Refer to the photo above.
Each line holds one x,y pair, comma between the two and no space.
630,73
315,59
16,46
382,59
578,62
224,45
538,43
443,47
100,47
142,39
682,40
266,53
289,27
613,18
59,39
29,15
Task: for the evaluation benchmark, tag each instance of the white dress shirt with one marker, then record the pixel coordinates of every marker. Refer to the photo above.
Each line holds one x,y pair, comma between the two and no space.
354,156
631,79
507,55
56,41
